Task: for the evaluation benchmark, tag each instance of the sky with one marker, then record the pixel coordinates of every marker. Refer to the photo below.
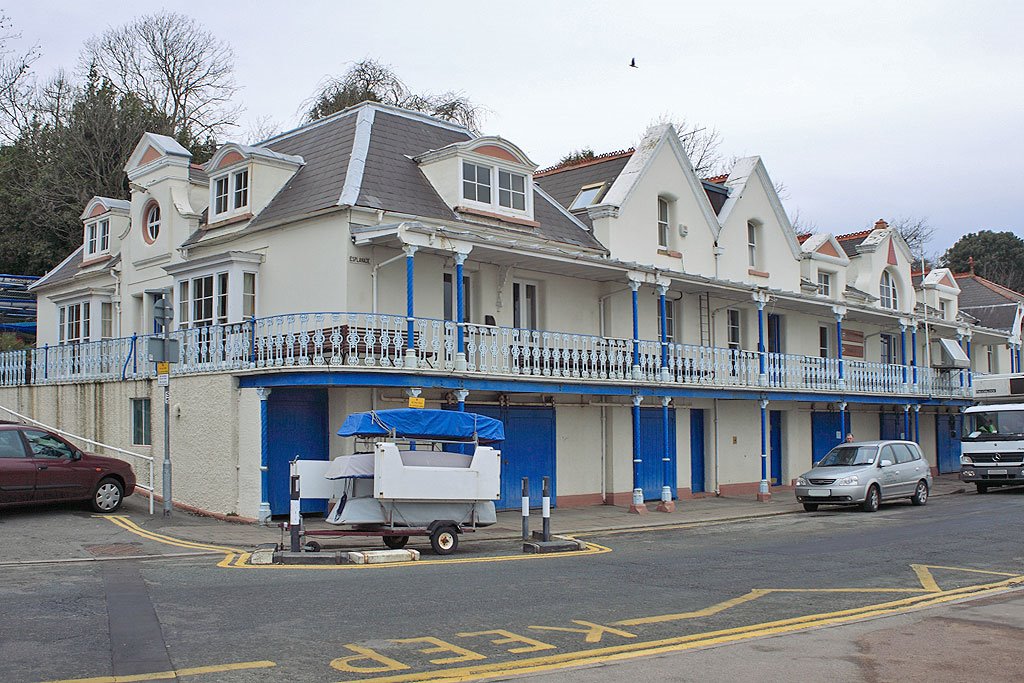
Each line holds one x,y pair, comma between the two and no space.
863,110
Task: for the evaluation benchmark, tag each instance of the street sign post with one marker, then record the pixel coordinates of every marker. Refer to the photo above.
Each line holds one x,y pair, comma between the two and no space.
163,314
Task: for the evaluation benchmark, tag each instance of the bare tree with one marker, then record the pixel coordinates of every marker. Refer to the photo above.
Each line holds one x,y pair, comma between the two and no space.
917,233
702,144
16,84
173,65
261,128
370,80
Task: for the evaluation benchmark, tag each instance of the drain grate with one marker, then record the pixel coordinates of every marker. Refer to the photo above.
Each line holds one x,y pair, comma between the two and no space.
114,549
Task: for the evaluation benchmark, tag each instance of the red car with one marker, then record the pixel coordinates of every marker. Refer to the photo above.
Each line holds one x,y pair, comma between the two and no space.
37,466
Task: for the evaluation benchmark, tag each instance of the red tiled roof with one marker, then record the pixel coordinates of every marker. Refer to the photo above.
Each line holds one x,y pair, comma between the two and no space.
718,179
803,237
558,168
854,235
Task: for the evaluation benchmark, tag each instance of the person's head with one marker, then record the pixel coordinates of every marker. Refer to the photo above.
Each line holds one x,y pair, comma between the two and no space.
849,438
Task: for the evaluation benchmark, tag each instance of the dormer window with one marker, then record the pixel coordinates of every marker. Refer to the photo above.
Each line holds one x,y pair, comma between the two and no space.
512,190
476,183
241,190
97,238
220,195
588,195
152,230
230,194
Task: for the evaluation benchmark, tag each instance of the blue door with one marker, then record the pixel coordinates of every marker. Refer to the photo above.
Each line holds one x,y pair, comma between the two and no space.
890,426
696,450
947,442
297,427
527,451
775,445
652,449
826,432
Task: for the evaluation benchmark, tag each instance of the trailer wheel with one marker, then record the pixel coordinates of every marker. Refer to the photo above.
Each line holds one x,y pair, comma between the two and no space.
396,542
444,540
312,547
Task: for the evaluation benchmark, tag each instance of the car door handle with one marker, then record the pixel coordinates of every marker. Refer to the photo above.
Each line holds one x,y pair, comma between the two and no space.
44,467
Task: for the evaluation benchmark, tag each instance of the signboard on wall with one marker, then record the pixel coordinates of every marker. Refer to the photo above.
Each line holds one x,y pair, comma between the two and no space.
853,344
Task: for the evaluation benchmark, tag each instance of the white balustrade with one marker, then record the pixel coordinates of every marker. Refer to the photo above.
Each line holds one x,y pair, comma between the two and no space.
379,341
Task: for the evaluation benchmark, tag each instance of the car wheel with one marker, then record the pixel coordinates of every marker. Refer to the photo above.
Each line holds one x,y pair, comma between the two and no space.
872,500
396,542
920,496
444,540
982,488
810,507
108,495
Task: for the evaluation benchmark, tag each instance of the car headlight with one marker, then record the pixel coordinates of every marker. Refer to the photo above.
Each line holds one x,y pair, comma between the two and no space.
800,481
848,481
966,460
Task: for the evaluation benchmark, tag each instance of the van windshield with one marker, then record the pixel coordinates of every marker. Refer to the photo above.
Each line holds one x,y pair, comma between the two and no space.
844,456
1004,425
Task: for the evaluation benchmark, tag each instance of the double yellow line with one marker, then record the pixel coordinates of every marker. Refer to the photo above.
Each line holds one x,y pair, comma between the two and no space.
233,557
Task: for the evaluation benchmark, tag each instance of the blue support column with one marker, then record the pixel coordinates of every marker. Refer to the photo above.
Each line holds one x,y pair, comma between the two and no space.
763,492
663,316
913,352
460,314
906,421
637,506
762,369
903,351
410,319
970,370
917,423
666,504
839,312
460,397
842,419
263,515
635,286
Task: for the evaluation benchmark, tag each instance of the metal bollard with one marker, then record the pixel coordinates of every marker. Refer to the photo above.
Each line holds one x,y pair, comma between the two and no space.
526,508
295,516
546,509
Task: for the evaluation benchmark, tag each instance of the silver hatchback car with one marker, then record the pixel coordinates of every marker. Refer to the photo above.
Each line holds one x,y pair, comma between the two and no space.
865,473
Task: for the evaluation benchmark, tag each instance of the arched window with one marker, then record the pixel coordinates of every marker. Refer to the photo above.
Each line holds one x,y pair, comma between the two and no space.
152,230
887,291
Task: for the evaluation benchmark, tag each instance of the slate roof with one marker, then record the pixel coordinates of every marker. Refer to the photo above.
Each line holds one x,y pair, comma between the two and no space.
850,242
992,304
64,270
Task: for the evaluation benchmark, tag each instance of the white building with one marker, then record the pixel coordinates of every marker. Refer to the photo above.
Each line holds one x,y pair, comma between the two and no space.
635,326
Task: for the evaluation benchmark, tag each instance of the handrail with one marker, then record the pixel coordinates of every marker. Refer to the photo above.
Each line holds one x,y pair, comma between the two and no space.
148,458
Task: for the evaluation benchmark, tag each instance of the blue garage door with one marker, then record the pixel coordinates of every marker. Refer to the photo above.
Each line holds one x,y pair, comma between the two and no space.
826,432
652,450
696,450
947,442
527,451
890,426
297,427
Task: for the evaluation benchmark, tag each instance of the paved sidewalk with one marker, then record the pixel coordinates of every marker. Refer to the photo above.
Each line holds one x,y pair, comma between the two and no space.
593,518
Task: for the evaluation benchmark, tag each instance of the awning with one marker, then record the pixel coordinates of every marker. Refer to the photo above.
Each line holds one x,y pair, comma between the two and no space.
952,355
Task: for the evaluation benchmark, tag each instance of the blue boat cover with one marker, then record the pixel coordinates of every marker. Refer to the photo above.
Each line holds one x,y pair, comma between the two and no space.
418,423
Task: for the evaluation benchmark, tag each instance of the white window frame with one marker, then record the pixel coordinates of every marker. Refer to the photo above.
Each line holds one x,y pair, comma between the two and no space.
944,309
888,293
511,191
153,226
887,349
146,425
73,322
97,237
752,230
824,283
825,346
670,319
588,195
734,328
475,184
218,195
249,294
106,320
240,189
664,221
228,300
525,316
494,187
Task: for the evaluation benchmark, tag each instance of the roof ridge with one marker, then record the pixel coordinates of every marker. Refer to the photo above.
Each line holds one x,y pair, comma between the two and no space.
579,163
854,235
717,179
994,286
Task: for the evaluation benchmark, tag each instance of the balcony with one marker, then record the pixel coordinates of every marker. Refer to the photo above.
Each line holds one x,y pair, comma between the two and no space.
348,341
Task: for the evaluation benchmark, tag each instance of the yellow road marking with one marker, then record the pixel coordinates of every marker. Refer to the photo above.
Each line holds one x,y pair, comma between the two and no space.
644,649
925,577
170,675
238,559
706,612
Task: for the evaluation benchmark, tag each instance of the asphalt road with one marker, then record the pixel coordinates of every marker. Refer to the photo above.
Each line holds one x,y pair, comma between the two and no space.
672,591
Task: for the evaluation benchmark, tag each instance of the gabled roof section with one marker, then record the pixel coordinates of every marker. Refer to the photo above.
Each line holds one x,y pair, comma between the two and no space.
487,145
739,177
656,139
822,246
153,148
231,153
994,305
564,185
938,278
850,241
98,206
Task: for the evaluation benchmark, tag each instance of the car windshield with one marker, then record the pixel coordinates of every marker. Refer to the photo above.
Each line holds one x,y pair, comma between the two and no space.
844,456
996,424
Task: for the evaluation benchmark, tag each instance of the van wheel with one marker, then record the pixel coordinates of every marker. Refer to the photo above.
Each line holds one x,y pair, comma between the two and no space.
982,488
872,500
810,507
920,496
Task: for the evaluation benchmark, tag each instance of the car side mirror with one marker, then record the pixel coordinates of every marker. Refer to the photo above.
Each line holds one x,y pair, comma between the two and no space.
885,463
76,455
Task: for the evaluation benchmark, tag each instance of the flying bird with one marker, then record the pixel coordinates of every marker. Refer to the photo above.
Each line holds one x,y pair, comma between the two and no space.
632,63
